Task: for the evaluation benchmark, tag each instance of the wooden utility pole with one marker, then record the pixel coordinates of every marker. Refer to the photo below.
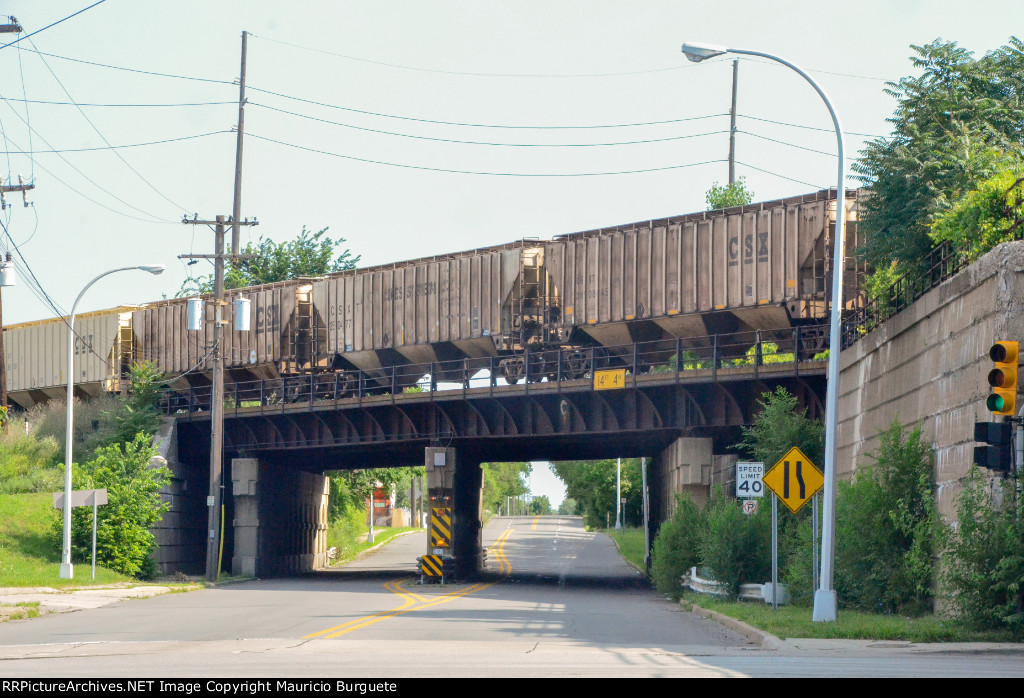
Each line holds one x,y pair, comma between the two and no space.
236,208
214,500
732,124
10,28
216,495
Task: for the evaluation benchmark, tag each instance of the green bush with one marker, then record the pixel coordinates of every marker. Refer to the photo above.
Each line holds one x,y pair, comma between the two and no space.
887,528
737,547
124,542
677,546
984,561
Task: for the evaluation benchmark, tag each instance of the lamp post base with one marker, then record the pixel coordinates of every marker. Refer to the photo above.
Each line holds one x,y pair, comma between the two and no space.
67,571
824,606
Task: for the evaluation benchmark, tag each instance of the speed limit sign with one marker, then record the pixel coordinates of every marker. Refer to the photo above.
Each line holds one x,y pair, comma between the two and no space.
749,480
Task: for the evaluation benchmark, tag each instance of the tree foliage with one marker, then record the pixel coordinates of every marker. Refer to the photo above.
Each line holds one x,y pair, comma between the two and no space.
728,195
592,485
778,427
124,542
956,124
310,254
502,480
991,214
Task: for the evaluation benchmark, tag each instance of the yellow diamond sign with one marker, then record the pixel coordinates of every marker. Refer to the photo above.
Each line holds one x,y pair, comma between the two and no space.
794,479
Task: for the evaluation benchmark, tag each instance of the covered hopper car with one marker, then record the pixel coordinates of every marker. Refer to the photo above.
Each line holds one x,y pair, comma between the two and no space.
763,266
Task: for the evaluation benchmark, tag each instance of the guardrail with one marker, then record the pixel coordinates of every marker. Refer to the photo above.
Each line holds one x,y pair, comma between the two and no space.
676,358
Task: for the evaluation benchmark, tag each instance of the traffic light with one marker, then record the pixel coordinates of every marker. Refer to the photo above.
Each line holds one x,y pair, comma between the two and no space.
998,454
1003,378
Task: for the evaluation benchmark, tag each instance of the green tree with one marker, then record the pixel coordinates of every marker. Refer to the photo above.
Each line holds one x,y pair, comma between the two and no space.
310,254
124,542
735,548
990,214
502,480
956,124
540,505
592,485
729,195
778,427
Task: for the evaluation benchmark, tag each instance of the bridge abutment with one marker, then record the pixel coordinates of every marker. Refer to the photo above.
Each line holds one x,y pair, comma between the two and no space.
455,486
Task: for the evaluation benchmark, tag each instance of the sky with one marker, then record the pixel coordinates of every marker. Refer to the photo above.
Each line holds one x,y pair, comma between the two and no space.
350,121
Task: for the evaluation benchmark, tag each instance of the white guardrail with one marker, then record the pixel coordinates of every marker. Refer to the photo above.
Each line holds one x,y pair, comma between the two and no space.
748,592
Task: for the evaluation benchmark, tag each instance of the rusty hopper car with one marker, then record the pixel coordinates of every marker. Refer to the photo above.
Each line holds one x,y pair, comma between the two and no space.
36,356
280,341
760,266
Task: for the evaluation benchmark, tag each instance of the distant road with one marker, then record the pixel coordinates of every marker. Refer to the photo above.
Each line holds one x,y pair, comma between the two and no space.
554,601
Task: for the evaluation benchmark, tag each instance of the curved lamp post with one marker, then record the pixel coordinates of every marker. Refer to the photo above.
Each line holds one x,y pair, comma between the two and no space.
66,569
825,595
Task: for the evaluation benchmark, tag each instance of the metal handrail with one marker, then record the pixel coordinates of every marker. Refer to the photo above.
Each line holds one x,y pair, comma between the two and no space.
674,357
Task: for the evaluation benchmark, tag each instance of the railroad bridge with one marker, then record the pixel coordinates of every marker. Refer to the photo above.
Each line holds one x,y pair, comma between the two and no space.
679,403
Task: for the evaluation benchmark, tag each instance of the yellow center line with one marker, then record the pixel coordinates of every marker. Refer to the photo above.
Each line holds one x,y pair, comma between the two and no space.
409,604
533,527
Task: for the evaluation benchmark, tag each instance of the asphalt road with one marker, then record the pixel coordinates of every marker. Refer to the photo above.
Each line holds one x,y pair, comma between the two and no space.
555,601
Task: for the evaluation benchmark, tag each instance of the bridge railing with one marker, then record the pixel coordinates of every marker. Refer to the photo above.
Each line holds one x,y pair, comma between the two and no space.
715,356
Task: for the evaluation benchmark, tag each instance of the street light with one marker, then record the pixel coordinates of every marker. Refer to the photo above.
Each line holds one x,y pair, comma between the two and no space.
66,569
825,595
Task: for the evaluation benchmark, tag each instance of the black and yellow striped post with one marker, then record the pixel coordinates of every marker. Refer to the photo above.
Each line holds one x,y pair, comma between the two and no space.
440,528
432,567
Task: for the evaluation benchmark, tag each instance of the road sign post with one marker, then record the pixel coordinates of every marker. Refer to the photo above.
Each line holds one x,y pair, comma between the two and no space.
81,498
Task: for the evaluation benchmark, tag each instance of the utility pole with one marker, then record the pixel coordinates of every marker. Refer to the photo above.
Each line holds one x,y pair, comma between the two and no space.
732,124
12,27
236,207
215,497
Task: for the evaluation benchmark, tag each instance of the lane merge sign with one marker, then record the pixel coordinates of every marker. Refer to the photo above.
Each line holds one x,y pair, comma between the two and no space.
794,479
749,480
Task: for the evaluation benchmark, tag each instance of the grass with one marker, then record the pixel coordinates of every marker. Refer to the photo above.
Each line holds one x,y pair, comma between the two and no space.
630,542
796,622
29,555
380,537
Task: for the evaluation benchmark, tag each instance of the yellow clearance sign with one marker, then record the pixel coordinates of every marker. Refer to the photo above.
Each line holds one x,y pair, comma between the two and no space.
610,380
794,479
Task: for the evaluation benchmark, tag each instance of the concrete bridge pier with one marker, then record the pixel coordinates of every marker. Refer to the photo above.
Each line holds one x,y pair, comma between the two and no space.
454,505
279,525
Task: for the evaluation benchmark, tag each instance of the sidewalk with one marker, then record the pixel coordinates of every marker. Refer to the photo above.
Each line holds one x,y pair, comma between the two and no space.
52,600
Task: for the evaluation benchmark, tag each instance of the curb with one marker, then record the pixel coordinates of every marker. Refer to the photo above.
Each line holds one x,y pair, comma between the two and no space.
764,639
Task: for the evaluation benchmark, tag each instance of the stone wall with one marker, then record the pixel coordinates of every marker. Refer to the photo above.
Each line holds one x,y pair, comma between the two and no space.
928,364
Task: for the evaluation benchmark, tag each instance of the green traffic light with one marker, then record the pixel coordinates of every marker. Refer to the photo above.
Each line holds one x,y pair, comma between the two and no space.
995,403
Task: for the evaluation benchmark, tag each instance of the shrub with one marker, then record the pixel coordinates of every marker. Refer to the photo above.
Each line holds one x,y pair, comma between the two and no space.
887,528
984,562
28,464
736,547
677,546
124,542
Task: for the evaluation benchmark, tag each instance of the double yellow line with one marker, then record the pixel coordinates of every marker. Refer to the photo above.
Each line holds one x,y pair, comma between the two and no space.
414,602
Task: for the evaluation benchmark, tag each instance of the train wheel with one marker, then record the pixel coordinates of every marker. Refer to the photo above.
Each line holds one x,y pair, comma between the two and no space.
512,370
575,365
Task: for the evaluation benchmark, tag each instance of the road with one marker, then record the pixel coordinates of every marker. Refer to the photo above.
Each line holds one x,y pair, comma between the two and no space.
555,601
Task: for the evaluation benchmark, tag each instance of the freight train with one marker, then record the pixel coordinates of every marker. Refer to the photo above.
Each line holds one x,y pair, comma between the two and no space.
763,266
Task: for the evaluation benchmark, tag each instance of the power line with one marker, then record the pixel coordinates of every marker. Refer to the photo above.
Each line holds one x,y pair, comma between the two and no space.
104,139
152,219
791,145
101,104
127,145
776,174
465,142
53,24
132,70
483,173
811,128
